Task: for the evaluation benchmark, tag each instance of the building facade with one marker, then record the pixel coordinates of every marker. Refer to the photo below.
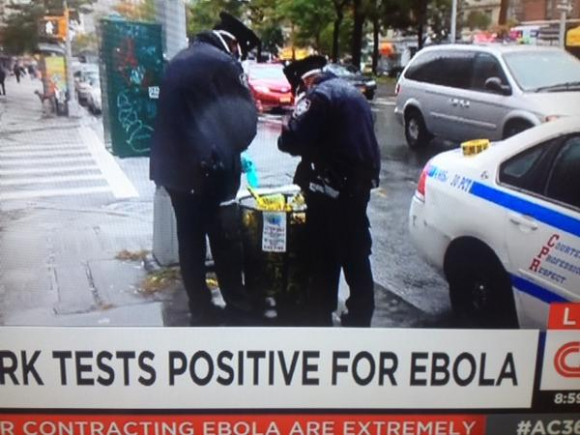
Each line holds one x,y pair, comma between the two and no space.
542,10
489,8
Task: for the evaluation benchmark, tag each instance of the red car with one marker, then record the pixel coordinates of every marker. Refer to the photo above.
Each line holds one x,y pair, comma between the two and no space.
270,87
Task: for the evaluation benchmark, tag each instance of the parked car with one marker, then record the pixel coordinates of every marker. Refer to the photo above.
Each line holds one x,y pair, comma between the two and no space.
94,100
269,86
367,85
503,226
85,79
462,92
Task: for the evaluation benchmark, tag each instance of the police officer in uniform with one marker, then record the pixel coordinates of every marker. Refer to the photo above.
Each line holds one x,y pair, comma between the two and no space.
332,130
206,119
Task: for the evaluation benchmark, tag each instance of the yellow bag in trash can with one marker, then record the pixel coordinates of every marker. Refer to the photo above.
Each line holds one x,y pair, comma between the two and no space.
273,234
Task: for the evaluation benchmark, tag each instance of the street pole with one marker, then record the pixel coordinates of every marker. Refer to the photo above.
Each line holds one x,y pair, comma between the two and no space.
72,103
171,15
453,21
564,7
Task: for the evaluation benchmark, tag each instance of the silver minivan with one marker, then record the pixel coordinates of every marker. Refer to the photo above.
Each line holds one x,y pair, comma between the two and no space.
463,92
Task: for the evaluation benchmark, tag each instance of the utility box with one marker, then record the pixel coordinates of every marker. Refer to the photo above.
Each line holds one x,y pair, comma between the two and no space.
131,56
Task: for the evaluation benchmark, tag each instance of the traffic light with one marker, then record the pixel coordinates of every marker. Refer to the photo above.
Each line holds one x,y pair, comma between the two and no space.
52,27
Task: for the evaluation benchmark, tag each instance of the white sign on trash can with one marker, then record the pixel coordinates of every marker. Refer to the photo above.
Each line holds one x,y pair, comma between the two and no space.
274,232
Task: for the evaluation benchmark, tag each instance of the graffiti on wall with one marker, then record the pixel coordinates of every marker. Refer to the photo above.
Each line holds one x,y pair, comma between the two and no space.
134,64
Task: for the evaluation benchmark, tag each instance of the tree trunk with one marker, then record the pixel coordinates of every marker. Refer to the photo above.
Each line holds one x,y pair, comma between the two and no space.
359,20
421,22
503,10
336,36
376,48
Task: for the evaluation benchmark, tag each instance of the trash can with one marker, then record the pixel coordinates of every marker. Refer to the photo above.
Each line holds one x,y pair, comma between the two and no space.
273,234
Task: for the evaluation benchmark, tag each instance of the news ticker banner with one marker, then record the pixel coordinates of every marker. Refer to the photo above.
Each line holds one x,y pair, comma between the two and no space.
265,369
290,424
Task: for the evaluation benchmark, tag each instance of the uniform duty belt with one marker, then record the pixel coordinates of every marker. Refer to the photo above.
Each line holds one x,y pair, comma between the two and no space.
325,189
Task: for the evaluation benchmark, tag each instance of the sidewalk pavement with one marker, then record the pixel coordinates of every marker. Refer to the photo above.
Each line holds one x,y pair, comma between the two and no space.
67,210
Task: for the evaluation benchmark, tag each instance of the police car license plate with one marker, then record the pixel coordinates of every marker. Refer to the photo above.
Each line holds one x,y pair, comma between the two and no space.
285,99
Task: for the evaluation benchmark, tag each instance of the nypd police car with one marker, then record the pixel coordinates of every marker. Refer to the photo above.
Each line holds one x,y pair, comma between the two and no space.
501,221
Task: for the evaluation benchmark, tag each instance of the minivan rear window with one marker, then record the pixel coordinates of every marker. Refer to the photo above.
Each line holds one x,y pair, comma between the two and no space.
446,68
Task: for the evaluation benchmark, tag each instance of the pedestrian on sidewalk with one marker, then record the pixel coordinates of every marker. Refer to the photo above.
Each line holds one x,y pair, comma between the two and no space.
17,71
206,119
332,129
2,79
31,71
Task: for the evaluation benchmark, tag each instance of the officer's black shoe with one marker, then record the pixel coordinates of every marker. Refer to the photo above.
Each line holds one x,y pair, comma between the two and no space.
354,322
207,316
318,320
236,317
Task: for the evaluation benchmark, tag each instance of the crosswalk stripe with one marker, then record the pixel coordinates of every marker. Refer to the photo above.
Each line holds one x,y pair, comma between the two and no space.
71,147
385,102
40,180
55,154
32,162
26,194
47,170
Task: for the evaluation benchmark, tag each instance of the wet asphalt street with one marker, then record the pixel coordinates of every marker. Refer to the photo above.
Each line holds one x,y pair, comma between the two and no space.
409,293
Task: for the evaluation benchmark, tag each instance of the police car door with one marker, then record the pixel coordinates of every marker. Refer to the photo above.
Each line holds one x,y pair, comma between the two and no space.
543,226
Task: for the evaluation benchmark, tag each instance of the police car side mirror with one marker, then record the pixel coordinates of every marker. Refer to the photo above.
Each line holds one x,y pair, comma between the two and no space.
495,84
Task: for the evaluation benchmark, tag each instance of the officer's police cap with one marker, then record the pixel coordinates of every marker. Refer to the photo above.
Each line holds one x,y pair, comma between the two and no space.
298,69
247,39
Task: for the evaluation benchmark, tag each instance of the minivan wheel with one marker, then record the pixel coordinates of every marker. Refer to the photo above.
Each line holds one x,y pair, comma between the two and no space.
481,292
416,132
515,127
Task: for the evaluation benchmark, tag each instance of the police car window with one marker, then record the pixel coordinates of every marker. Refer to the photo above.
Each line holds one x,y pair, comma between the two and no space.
524,170
564,182
485,67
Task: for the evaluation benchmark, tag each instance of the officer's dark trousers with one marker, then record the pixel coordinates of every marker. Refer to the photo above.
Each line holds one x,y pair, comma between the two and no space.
339,237
197,217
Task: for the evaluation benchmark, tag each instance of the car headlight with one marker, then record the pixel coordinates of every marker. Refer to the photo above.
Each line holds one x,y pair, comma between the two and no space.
371,83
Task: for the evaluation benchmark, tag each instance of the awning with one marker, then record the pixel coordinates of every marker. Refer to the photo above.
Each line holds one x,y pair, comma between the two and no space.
484,37
573,37
51,48
386,49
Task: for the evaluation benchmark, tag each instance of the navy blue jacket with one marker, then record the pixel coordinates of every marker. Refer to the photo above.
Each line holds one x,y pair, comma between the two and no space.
332,129
206,118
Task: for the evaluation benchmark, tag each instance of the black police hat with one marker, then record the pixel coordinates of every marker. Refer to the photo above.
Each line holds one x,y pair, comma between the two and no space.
296,70
244,35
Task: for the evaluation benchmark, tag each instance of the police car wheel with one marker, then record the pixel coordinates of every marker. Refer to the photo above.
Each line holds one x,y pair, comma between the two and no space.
481,293
416,132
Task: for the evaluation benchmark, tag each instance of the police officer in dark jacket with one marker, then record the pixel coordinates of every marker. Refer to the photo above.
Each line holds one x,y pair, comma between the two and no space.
206,119
2,78
332,130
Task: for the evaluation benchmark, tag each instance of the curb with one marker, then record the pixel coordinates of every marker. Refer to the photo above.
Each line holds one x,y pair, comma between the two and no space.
151,265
